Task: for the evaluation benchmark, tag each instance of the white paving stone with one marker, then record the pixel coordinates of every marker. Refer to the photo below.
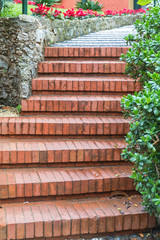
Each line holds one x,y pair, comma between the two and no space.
113,37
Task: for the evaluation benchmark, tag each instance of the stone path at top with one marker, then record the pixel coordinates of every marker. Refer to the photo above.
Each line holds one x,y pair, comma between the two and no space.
113,37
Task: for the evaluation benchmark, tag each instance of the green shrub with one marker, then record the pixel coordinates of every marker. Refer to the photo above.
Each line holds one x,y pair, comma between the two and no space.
144,142
143,139
48,3
89,4
145,54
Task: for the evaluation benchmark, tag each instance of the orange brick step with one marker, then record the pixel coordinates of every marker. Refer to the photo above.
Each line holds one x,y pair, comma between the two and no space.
83,67
85,52
63,126
101,85
71,219
60,151
73,104
40,182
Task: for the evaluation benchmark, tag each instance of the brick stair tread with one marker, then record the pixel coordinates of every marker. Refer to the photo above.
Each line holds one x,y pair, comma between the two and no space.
85,84
38,182
14,151
59,125
71,218
72,103
85,78
85,51
82,61
70,67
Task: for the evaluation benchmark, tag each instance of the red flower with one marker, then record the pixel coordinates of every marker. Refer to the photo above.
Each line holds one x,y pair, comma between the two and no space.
70,13
41,10
31,3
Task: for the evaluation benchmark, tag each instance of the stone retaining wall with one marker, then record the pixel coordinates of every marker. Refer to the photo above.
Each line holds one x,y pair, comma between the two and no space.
22,42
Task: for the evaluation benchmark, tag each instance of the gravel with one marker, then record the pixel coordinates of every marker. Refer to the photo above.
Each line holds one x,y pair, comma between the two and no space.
141,236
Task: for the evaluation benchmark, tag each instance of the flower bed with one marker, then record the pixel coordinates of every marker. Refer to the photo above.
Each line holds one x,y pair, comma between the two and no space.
42,10
50,12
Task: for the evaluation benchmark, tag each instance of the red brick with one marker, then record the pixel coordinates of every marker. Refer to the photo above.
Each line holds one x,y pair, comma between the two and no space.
20,225
92,217
114,51
119,67
28,184
60,182
110,218
87,153
66,222
84,179
118,218
57,222
29,221
11,226
92,180
19,184
107,67
47,221
3,227
60,52
66,52
101,217
39,231
68,182
84,217
75,218
76,181
3,186
81,52
11,185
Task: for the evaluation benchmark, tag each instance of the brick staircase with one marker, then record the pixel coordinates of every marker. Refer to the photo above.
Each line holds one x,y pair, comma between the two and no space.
60,161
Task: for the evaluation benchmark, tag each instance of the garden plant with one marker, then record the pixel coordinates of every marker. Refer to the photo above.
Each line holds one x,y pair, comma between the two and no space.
143,139
89,4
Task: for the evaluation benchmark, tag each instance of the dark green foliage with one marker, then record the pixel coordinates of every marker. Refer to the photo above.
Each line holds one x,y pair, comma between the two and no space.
48,3
1,6
5,7
19,108
89,4
143,139
145,54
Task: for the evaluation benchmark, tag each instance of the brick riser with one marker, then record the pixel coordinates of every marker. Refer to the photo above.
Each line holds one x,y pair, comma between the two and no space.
96,52
65,161
85,67
82,104
61,152
83,85
63,126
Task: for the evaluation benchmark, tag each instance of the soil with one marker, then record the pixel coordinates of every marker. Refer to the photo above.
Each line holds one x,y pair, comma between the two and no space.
8,111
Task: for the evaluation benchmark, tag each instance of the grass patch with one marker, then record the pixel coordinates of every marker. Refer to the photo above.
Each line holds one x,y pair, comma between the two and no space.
14,10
